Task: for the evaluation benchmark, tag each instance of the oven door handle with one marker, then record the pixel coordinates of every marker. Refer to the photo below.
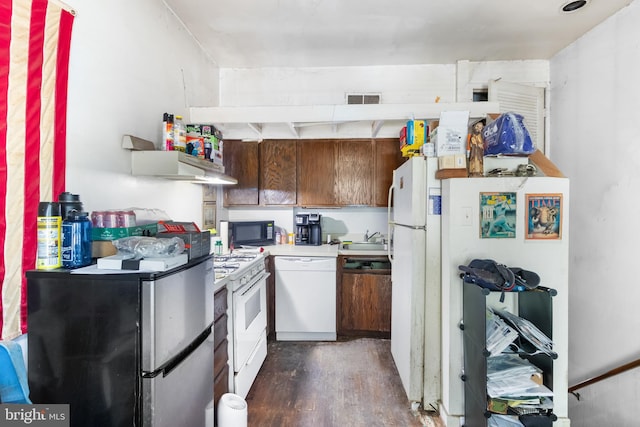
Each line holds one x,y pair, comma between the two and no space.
248,287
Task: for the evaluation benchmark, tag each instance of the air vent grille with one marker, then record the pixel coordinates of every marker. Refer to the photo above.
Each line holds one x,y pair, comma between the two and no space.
363,98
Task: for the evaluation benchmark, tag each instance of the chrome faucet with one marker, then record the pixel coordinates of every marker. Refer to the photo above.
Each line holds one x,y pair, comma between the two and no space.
367,237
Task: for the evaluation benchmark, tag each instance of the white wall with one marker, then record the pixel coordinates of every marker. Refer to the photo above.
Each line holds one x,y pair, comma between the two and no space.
129,63
343,223
318,86
595,108
405,84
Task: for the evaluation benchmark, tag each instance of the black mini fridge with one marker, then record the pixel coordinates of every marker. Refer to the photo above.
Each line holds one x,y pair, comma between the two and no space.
123,349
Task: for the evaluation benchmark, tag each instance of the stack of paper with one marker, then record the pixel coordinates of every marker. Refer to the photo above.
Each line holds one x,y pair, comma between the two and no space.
499,334
510,381
529,332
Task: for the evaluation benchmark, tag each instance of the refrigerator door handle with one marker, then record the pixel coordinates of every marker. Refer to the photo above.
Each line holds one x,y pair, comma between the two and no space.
390,221
411,227
166,368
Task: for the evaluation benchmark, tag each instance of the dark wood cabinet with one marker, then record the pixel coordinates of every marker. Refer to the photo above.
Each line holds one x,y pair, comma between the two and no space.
317,172
355,169
278,172
241,162
387,158
271,297
220,345
364,297
327,172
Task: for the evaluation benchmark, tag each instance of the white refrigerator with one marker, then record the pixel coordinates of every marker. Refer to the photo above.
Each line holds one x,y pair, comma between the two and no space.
414,228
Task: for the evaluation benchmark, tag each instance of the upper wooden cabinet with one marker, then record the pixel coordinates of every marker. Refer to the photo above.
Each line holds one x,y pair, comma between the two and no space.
387,158
241,162
278,172
328,172
317,172
354,172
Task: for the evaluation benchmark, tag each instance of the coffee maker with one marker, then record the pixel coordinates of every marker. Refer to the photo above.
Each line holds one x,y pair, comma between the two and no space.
308,229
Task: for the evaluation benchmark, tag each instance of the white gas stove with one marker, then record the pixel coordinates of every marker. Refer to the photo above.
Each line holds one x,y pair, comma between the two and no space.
247,285
239,267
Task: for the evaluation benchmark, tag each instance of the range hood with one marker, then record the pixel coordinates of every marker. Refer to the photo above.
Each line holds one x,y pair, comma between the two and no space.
173,165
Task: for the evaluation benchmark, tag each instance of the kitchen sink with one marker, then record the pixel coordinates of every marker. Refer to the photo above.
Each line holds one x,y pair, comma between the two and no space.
364,246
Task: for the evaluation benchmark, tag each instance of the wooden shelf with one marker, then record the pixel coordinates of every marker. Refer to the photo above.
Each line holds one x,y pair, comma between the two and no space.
326,121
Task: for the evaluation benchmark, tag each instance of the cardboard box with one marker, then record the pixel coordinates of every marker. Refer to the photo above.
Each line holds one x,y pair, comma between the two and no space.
98,233
210,137
453,161
102,248
196,243
451,137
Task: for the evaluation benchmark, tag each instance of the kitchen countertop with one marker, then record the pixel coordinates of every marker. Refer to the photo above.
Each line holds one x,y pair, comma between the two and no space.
323,250
306,251
219,284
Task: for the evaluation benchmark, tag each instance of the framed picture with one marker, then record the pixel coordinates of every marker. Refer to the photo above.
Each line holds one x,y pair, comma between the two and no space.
209,193
208,215
544,216
497,215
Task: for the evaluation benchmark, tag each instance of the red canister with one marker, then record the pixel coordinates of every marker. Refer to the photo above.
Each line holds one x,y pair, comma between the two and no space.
111,219
97,219
126,219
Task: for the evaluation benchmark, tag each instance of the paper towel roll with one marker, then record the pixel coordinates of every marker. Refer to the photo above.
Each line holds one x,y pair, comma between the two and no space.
224,235
232,411
209,415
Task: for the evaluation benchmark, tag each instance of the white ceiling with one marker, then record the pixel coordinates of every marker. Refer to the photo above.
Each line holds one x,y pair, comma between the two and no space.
325,33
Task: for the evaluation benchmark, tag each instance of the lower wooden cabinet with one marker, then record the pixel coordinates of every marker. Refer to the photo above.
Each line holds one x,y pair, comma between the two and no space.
364,297
271,297
220,343
221,384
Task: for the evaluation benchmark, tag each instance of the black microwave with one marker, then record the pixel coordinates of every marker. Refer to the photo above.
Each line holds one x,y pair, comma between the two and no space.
251,233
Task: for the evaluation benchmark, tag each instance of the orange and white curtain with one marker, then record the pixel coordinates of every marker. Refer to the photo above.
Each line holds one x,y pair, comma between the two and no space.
35,37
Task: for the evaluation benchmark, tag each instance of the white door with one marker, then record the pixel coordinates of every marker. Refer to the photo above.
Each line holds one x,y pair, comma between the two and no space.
409,192
407,308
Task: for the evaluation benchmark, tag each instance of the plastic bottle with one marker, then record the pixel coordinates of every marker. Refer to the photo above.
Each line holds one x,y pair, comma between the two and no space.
69,202
49,223
167,132
76,240
179,135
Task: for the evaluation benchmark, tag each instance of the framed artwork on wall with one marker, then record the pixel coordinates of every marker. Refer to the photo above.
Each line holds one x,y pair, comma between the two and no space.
544,216
497,215
208,215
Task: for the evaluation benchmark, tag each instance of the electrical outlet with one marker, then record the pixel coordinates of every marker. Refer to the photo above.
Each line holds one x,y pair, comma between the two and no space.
466,216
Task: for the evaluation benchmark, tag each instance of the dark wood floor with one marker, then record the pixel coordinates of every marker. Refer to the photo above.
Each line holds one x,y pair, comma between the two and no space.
345,383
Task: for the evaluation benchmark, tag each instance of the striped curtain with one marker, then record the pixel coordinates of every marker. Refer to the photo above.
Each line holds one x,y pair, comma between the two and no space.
35,37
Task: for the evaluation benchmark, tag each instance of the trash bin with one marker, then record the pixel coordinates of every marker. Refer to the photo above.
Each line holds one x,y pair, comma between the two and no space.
232,411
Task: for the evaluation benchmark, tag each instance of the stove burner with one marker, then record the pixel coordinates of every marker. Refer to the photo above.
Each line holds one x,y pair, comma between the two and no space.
233,258
235,264
227,265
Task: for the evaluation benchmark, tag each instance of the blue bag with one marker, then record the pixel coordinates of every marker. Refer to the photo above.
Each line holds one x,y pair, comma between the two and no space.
507,135
13,375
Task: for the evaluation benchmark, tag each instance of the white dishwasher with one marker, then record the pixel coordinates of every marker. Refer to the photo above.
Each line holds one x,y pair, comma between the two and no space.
305,298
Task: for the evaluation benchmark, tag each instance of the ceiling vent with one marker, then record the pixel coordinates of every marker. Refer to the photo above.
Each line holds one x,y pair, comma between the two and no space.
363,98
